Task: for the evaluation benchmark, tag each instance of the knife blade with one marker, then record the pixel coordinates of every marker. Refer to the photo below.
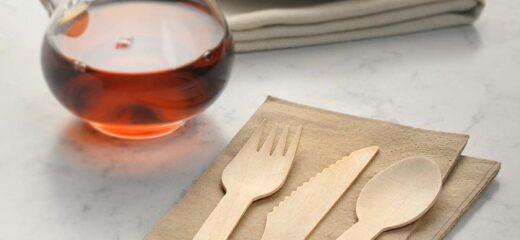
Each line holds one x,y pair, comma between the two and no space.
297,215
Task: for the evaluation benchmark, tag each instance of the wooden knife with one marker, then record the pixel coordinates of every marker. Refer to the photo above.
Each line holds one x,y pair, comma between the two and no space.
297,215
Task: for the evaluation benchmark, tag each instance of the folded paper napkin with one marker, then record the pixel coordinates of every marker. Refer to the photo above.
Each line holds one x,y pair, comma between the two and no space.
272,24
326,138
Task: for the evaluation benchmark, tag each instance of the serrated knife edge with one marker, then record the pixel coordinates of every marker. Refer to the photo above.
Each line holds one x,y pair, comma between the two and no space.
297,215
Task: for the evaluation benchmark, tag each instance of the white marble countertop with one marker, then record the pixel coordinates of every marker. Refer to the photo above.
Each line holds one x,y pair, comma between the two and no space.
61,180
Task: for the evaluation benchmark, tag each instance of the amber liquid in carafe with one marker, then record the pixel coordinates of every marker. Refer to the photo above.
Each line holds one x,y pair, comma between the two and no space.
137,67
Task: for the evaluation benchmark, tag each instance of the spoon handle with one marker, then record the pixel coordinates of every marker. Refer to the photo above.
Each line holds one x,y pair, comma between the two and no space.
361,231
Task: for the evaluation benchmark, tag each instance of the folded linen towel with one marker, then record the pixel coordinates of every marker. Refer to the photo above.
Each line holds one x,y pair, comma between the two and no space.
273,24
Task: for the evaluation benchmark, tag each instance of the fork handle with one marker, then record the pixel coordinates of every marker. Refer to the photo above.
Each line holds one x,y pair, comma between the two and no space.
226,215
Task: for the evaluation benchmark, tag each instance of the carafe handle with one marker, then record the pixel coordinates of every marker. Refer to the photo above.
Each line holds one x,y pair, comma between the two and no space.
50,5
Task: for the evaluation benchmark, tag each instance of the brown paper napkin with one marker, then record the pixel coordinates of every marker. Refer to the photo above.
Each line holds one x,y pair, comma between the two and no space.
463,187
327,137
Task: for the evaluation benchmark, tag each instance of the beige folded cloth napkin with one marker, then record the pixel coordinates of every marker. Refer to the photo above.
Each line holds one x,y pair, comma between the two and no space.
273,24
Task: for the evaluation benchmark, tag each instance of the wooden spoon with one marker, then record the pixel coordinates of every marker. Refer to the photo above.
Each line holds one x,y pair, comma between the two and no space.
395,197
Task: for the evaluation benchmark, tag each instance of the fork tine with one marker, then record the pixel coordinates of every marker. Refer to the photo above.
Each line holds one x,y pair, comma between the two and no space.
268,144
253,141
291,151
280,146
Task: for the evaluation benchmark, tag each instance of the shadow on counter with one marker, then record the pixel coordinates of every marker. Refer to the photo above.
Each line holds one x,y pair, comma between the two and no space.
122,187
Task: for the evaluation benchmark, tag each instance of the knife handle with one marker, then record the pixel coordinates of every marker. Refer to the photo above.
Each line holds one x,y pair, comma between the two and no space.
361,231
221,222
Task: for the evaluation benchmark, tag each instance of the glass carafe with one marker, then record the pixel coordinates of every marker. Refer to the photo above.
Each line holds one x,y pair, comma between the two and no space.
136,68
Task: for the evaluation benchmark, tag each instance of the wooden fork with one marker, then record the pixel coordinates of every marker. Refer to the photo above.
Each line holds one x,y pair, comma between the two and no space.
251,175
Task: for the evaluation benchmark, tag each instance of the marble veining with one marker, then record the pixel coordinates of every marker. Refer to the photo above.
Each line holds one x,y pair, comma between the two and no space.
62,180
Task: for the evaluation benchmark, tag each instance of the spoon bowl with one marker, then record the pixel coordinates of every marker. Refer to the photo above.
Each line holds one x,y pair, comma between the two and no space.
395,197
